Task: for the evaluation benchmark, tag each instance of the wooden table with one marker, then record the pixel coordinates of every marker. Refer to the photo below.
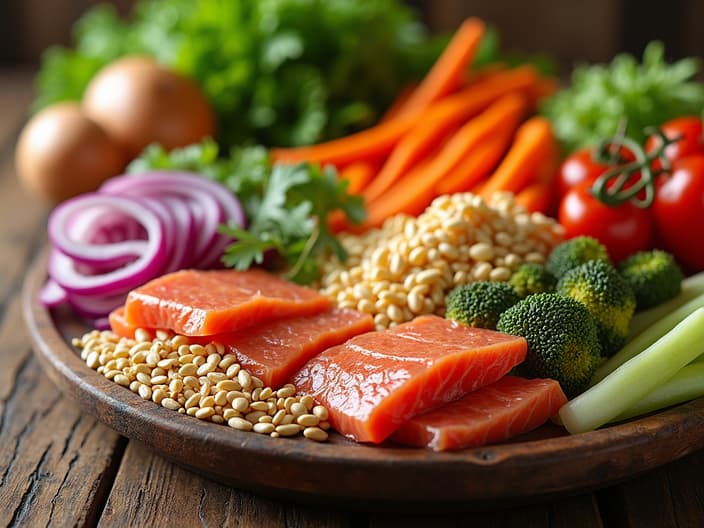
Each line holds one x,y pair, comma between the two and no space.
61,467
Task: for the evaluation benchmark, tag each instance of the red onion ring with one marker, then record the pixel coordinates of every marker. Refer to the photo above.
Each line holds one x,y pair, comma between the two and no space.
62,267
135,228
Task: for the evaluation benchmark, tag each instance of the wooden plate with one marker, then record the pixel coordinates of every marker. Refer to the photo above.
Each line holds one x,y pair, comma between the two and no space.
541,464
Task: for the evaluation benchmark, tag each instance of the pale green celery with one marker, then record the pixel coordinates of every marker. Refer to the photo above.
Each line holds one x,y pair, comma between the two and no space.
646,338
686,385
636,378
691,287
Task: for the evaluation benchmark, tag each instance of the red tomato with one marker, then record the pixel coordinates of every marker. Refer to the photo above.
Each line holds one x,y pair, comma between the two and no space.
578,167
678,211
692,142
624,229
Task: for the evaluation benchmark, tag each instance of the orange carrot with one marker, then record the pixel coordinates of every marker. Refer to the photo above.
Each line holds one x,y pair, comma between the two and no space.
532,145
358,175
545,87
368,144
379,140
447,73
440,119
473,76
536,197
476,165
398,103
412,193
414,146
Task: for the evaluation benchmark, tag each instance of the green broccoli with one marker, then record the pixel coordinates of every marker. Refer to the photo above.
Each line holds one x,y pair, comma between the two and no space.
574,252
480,303
530,278
608,298
562,339
653,276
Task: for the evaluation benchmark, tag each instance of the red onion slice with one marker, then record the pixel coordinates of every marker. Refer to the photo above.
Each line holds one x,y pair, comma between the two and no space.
52,295
65,220
183,255
149,263
221,206
133,229
95,306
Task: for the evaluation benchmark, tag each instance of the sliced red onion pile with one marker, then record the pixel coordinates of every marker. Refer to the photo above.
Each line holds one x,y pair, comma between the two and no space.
134,228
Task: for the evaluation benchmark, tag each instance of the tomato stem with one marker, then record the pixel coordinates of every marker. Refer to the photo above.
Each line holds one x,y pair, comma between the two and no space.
617,185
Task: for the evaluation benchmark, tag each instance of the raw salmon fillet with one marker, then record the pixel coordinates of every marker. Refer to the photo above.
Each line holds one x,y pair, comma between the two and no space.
494,413
275,351
119,325
376,381
197,303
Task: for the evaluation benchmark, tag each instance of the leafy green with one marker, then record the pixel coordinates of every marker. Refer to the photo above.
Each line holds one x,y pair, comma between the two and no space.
277,72
601,97
286,205
290,220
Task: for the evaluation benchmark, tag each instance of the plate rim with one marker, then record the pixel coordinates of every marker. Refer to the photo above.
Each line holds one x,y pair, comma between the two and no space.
350,473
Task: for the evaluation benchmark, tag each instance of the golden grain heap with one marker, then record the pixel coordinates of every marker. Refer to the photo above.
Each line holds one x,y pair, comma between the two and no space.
408,266
201,381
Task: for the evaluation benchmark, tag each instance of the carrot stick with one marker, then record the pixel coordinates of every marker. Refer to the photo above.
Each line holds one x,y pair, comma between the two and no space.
398,103
414,146
412,193
474,76
371,143
379,140
447,73
477,165
532,145
440,120
536,197
358,175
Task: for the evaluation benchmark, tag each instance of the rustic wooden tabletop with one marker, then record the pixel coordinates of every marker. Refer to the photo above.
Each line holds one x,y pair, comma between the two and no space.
60,467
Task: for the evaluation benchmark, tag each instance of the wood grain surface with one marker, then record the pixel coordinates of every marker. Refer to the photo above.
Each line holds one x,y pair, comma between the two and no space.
60,467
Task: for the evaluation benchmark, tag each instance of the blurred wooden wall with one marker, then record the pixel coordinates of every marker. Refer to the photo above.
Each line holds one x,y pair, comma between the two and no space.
571,30
27,27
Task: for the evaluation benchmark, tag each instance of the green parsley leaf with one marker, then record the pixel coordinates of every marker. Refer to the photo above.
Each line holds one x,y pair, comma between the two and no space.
601,97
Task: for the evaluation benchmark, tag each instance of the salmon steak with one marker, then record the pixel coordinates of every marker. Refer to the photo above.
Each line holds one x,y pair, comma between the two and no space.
201,303
491,414
376,381
275,351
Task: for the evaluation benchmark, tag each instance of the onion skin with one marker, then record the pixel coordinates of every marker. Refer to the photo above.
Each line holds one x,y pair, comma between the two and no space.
139,102
62,153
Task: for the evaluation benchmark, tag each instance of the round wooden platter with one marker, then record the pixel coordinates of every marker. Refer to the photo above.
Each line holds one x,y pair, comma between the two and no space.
544,463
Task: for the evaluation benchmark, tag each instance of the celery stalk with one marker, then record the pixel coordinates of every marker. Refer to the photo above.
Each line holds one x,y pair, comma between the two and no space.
637,377
686,385
647,338
691,287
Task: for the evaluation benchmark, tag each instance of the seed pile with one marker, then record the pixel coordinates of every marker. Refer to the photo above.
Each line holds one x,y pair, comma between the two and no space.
201,381
408,266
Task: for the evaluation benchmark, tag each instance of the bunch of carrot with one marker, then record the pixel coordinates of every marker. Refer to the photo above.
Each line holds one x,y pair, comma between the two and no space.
458,130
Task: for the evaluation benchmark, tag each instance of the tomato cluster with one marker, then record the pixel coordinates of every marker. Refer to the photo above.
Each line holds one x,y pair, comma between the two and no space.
675,220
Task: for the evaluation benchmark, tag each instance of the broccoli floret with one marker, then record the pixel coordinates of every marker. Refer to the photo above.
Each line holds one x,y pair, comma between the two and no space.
574,252
653,276
480,303
530,278
608,298
562,339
